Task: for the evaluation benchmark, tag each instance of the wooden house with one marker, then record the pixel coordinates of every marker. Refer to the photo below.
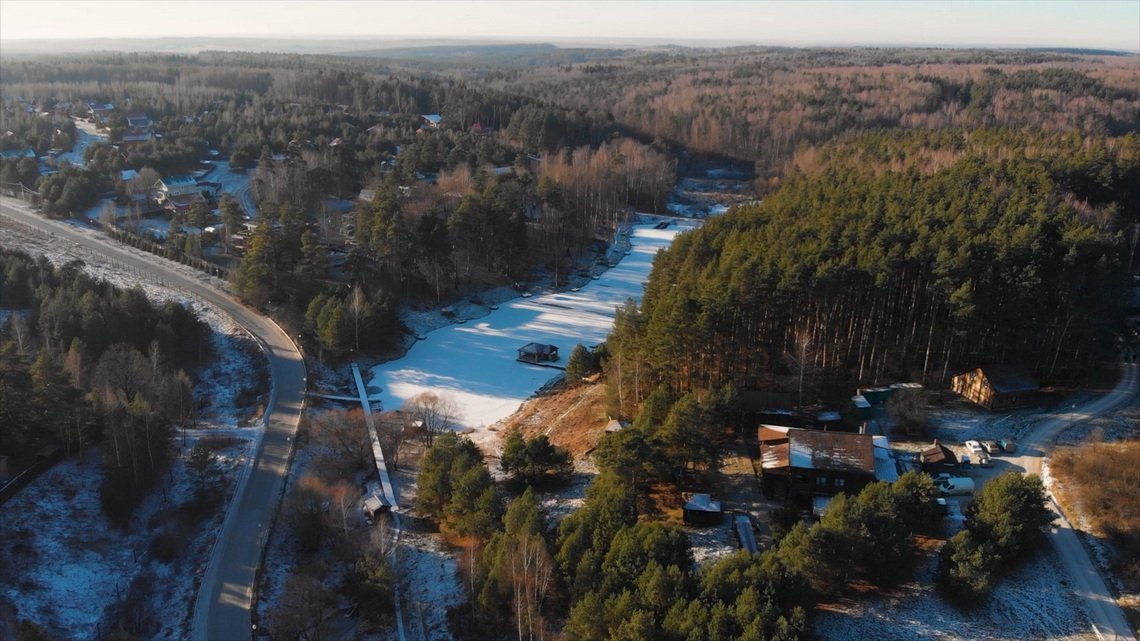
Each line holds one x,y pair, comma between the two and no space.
997,387
800,463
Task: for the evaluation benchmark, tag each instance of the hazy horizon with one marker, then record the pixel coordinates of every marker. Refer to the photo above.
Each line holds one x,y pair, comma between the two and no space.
1106,24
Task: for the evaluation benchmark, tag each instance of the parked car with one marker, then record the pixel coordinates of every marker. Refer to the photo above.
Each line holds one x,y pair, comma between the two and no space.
974,447
991,447
1007,446
984,460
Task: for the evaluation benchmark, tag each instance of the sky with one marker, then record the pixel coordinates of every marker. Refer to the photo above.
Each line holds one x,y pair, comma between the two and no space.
1107,24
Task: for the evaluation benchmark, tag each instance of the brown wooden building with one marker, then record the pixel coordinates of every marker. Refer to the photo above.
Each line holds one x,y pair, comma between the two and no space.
997,387
798,463
938,458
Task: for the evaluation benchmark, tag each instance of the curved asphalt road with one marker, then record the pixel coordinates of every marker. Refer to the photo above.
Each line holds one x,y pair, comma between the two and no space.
1089,586
222,609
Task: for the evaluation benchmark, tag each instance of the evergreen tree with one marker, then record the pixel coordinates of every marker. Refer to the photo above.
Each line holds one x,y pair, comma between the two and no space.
254,279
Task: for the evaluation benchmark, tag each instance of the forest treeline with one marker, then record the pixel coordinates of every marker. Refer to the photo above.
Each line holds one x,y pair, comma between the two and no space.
83,362
863,275
763,104
419,243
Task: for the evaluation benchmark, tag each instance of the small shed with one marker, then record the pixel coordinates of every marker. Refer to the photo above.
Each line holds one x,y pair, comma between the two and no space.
702,509
614,426
538,353
997,387
938,458
373,505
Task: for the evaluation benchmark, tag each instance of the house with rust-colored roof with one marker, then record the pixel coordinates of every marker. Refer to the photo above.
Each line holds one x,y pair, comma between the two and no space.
798,463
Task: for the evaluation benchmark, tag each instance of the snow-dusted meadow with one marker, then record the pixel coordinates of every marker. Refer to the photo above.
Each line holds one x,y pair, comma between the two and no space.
1032,602
475,364
68,565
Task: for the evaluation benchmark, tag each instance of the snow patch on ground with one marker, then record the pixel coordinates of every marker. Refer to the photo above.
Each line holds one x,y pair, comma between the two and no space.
564,501
712,542
432,586
234,351
958,420
1029,603
65,564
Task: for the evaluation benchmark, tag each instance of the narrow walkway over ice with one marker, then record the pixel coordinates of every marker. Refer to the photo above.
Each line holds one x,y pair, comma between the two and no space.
475,363
378,454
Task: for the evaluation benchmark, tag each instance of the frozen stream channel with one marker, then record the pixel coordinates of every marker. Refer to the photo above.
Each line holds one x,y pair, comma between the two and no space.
475,363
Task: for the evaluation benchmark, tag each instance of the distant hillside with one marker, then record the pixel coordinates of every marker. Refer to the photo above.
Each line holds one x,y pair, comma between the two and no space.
1082,52
378,46
538,54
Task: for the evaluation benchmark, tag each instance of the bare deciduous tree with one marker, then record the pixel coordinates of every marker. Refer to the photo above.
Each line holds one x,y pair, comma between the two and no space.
531,571
346,434
392,429
344,498
434,412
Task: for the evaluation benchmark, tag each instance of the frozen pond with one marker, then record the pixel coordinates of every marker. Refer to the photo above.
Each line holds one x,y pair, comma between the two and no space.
475,363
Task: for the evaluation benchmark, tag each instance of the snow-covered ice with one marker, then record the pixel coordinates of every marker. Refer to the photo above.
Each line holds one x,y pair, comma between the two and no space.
475,363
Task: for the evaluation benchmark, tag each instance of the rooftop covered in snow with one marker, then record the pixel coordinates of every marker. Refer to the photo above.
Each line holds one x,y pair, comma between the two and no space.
812,449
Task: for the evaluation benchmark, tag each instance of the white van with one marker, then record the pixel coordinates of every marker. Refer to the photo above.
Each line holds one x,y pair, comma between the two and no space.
955,485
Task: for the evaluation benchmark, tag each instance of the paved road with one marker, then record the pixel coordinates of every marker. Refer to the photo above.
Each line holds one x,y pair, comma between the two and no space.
222,609
1089,586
